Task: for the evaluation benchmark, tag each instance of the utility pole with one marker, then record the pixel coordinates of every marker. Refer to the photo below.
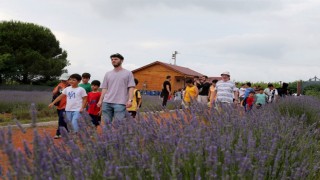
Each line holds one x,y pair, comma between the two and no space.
174,57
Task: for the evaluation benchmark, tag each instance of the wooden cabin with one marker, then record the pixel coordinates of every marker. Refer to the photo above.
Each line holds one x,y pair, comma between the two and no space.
152,76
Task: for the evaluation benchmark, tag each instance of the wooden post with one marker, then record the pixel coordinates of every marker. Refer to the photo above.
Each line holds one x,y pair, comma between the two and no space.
299,88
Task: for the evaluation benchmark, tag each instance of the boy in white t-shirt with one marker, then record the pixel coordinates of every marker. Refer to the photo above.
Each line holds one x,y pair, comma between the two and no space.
76,100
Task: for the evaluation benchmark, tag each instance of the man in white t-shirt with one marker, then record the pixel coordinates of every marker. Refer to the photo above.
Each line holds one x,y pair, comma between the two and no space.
271,93
117,91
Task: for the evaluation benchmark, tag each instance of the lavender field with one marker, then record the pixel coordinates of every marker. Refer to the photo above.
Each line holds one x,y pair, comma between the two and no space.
280,141
17,104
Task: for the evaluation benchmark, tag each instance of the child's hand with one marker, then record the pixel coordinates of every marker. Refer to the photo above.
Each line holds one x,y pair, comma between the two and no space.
81,109
50,105
129,104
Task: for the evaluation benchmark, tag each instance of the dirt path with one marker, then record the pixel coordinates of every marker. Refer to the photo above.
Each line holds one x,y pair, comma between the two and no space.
18,137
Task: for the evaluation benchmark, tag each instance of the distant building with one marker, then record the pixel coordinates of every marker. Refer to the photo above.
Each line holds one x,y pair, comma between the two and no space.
151,76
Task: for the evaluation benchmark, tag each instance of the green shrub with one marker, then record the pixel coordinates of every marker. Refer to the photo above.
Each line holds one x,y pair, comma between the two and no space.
312,92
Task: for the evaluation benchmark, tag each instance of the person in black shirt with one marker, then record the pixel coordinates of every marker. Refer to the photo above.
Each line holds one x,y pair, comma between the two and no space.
203,85
166,90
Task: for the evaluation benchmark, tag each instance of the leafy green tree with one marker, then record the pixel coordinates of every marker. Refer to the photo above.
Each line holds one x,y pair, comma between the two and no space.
293,86
29,53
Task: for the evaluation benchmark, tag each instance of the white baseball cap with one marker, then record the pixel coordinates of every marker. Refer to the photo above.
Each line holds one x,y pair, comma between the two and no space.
225,73
64,77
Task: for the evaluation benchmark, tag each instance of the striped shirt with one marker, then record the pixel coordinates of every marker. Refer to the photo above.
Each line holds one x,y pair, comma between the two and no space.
225,91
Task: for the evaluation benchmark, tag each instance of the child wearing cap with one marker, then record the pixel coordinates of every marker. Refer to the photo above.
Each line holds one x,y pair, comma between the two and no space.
61,105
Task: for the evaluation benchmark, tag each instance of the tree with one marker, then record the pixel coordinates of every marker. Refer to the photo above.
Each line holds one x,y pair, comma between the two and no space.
29,53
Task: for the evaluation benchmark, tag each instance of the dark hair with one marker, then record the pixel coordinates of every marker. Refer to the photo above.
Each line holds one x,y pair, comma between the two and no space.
95,83
285,85
215,81
205,77
136,81
189,81
270,85
195,76
117,55
75,76
168,77
248,84
86,75
251,92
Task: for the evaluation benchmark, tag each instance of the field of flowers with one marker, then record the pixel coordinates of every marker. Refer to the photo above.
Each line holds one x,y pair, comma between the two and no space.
280,141
17,104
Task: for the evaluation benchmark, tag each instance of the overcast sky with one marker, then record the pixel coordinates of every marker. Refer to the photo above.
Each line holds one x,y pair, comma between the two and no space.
255,40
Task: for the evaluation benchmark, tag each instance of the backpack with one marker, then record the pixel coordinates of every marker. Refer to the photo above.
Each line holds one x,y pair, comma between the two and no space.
136,94
55,97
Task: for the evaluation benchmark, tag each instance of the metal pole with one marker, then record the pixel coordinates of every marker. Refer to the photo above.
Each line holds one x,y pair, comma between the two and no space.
174,57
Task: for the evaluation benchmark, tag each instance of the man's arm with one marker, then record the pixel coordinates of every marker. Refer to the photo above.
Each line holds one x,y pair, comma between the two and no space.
130,96
197,92
168,89
103,92
236,96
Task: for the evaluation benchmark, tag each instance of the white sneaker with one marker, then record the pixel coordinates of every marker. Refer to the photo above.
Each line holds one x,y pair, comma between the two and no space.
57,136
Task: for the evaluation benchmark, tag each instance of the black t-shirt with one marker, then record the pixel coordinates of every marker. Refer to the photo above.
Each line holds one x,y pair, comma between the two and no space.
165,83
204,89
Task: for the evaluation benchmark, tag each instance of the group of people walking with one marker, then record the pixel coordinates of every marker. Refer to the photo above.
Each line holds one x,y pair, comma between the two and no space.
74,95
216,92
117,97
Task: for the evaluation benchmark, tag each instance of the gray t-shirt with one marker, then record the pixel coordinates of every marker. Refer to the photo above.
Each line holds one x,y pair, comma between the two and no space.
117,84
